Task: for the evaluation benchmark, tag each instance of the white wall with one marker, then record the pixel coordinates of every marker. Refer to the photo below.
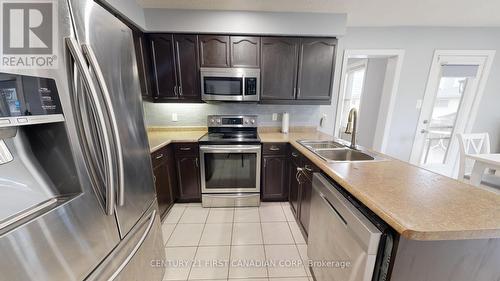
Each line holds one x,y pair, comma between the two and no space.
245,22
131,10
160,114
370,100
419,44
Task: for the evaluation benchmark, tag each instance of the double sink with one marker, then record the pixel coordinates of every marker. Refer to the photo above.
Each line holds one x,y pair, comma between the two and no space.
333,151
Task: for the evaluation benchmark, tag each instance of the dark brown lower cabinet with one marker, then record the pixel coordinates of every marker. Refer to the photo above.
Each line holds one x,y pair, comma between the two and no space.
188,174
164,178
274,178
300,182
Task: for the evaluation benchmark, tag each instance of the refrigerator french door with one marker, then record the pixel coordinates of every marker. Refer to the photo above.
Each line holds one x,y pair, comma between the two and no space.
96,217
108,47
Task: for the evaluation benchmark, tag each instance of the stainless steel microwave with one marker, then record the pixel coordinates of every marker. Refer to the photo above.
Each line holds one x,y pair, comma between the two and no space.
230,84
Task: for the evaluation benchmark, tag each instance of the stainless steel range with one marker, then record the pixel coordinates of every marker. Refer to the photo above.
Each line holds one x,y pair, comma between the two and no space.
230,156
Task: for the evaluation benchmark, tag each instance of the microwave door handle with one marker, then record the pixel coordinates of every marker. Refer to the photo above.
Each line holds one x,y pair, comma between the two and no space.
89,54
243,82
79,60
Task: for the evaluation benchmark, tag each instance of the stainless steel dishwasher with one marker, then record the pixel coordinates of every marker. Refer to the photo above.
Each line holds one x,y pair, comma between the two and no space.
343,243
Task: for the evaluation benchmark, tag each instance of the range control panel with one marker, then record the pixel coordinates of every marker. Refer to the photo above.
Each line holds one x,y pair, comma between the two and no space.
28,100
232,121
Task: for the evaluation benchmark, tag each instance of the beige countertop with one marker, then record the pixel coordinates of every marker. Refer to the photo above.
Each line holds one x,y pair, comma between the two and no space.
417,203
158,137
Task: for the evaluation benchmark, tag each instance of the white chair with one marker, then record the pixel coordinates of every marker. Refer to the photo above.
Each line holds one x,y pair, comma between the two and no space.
475,144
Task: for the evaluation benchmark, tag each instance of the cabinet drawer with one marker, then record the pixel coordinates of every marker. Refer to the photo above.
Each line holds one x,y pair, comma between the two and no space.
274,148
186,148
159,156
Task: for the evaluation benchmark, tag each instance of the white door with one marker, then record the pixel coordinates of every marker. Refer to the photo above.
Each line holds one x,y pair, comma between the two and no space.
449,107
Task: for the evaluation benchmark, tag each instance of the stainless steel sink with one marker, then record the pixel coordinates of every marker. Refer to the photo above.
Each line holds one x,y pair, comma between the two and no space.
344,154
335,151
321,144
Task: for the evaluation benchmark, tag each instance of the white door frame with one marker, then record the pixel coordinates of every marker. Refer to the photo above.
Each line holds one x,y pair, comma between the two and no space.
388,96
431,88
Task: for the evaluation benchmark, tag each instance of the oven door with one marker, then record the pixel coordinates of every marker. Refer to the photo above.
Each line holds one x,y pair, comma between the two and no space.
222,85
230,168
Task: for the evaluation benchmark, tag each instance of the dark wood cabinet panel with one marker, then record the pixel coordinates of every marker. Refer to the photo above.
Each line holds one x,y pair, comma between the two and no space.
214,51
305,202
293,195
164,72
274,178
186,56
188,176
279,68
142,53
245,51
165,178
316,68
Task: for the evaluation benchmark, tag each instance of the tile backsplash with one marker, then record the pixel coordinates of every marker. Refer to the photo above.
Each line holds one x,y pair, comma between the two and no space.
161,114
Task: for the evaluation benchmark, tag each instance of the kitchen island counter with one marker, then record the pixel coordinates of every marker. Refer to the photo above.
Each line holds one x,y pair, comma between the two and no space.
417,203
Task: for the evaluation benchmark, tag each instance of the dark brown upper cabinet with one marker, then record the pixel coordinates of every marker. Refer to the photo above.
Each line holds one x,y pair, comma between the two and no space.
164,76
279,68
214,51
316,67
142,51
245,51
186,55
175,67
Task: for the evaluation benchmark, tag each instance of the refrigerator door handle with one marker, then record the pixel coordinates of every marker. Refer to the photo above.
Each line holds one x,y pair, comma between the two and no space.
74,50
89,54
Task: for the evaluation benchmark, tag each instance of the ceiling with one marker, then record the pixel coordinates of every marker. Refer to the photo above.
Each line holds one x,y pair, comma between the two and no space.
362,12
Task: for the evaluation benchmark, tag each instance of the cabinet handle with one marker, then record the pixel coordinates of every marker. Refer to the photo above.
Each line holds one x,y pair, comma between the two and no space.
308,168
180,91
298,92
175,90
274,148
154,179
294,91
299,173
196,162
294,154
185,148
159,156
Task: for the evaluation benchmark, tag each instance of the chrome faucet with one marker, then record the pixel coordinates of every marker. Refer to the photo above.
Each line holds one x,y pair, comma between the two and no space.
352,123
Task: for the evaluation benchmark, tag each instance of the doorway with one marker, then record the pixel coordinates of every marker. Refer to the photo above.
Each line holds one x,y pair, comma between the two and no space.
454,89
369,83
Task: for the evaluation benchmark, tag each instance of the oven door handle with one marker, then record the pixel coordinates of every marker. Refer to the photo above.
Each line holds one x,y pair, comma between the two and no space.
242,149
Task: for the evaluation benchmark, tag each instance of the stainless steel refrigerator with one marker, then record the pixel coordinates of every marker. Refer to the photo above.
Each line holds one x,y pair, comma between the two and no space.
77,199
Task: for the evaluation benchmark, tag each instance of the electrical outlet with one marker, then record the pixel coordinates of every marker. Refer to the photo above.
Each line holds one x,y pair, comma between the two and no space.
322,121
275,116
174,117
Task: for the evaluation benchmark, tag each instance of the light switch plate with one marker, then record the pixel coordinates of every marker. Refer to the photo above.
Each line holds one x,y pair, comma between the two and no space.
174,117
275,116
419,104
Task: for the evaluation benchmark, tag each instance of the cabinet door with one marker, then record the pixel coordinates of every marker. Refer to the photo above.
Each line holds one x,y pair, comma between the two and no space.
186,52
163,187
142,52
316,67
165,79
305,201
274,178
188,176
294,187
245,51
214,51
279,68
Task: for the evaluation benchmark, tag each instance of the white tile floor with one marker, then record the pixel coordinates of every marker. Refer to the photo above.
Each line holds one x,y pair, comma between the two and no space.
235,244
